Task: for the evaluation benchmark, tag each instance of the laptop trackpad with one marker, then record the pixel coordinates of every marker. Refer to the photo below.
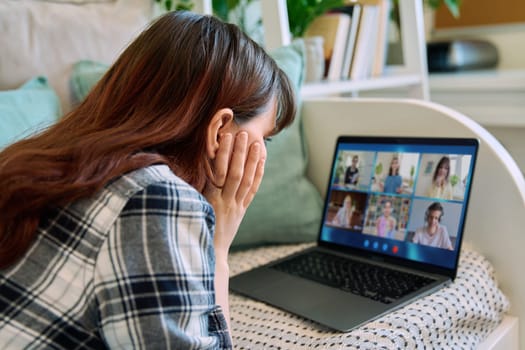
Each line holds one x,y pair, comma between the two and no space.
330,306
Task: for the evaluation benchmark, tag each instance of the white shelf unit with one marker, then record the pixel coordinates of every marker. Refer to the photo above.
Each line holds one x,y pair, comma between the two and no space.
413,74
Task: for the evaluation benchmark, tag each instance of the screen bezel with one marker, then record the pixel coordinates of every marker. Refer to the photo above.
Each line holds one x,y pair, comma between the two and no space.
402,141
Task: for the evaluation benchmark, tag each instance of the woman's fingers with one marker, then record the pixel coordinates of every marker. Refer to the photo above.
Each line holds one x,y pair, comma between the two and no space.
250,169
222,159
245,171
256,182
236,168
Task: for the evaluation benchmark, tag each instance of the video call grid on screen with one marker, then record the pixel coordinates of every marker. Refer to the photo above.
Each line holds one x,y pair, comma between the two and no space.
392,212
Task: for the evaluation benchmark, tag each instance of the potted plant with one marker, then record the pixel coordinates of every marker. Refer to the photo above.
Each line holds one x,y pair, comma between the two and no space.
221,8
452,5
235,11
170,5
300,12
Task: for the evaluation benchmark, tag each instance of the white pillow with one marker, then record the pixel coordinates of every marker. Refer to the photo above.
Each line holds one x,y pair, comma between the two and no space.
46,38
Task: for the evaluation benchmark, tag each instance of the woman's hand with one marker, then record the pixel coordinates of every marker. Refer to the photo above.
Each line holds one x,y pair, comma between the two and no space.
237,174
238,169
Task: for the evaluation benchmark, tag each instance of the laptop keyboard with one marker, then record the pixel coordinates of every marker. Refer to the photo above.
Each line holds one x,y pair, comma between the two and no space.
371,281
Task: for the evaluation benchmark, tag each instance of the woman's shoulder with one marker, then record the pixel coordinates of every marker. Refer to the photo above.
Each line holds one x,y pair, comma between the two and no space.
142,177
155,185
154,176
145,187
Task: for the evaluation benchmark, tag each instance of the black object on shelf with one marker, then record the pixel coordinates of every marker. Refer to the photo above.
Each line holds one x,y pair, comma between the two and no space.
460,54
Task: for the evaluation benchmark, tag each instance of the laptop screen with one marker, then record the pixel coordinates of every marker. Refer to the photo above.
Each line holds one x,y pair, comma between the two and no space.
400,197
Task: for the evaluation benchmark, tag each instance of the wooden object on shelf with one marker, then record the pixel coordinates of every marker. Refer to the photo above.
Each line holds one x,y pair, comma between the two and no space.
382,39
334,29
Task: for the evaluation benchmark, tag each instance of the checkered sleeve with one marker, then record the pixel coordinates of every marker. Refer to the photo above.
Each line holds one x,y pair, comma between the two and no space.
154,276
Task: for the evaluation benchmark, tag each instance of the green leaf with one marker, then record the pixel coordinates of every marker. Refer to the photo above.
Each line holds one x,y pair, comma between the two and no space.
453,7
184,5
302,12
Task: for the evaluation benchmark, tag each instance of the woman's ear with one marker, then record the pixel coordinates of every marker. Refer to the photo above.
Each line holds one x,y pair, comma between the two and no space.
222,121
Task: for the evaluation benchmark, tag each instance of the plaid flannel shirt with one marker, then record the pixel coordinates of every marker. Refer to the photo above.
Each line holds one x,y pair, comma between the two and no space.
130,268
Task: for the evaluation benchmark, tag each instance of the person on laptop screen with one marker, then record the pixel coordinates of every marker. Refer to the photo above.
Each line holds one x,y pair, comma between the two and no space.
393,181
433,233
352,171
441,187
386,223
343,217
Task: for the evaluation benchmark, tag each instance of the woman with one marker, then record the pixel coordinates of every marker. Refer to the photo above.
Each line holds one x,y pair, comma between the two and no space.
441,187
433,233
386,223
343,217
393,181
117,221
352,172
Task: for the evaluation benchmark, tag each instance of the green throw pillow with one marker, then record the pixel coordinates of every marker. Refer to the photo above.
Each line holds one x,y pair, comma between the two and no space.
287,208
27,110
85,75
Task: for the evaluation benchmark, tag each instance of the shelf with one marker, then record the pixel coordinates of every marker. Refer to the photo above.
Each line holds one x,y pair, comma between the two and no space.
494,98
480,80
325,88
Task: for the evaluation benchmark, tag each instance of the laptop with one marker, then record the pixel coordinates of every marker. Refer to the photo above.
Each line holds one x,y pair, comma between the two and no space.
388,233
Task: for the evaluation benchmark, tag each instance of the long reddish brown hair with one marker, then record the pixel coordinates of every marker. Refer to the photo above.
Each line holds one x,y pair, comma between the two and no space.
152,106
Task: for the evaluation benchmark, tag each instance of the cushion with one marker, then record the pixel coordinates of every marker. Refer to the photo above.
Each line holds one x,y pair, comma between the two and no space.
85,75
47,37
27,110
287,208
